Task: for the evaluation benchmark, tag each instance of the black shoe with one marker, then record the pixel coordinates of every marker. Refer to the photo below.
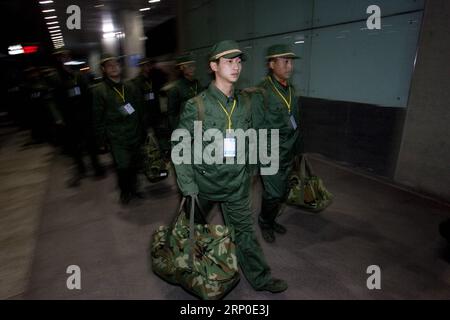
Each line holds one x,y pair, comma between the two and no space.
125,198
278,228
266,230
274,286
100,174
139,195
74,182
268,235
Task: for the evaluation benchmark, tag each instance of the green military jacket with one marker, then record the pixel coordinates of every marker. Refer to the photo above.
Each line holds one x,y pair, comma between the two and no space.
277,116
42,100
150,100
218,182
178,94
112,122
73,98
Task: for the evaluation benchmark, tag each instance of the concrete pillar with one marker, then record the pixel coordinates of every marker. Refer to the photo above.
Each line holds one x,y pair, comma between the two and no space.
424,158
180,27
133,44
94,63
109,27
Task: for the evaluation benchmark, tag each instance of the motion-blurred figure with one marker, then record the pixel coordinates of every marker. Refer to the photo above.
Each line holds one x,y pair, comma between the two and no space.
149,93
181,90
41,112
75,102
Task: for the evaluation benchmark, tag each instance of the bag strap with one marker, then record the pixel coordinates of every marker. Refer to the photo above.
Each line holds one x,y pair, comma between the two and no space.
247,101
194,201
174,221
200,108
191,233
179,211
305,172
151,137
302,179
255,90
308,166
192,228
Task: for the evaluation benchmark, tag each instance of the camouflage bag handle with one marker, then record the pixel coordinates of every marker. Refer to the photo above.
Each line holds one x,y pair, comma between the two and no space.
303,166
192,228
191,233
180,210
174,221
191,223
305,172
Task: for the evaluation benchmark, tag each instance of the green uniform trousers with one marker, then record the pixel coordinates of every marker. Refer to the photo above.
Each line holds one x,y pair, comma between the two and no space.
276,188
126,159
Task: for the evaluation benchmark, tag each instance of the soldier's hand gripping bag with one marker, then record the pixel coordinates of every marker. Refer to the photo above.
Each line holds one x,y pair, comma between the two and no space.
307,190
199,258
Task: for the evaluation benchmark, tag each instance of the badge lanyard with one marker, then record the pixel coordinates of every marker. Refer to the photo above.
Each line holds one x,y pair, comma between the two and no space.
230,123
288,104
195,91
122,95
229,143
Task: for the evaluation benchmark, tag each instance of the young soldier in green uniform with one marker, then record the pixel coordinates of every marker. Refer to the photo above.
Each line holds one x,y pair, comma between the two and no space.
222,108
118,119
183,89
149,94
281,113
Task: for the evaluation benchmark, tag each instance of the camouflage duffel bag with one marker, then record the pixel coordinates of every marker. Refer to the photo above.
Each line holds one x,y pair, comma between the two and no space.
200,258
306,190
153,165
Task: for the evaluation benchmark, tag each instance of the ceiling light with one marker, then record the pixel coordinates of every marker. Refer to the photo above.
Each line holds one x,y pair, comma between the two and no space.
53,22
144,9
74,63
51,17
13,50
108,27
54,27
154,1
109,35
46,2
49,10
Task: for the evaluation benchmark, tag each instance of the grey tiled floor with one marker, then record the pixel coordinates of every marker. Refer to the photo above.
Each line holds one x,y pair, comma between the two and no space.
323,256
